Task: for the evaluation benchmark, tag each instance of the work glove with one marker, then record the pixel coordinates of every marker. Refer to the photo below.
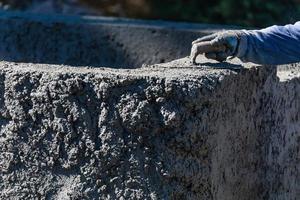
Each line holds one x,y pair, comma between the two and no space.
218,46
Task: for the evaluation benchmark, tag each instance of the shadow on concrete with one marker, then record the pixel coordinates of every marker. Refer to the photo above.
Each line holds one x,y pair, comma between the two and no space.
222,65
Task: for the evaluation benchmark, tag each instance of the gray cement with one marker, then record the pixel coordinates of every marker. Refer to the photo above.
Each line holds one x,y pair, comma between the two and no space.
167,131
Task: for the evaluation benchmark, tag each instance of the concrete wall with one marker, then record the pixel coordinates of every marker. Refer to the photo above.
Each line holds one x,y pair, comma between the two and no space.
94,41
165,131
171,131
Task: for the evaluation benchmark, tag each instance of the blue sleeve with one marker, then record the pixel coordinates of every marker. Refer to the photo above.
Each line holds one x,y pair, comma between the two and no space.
271,46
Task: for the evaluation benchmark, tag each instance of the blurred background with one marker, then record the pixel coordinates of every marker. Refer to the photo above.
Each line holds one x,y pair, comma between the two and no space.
248,13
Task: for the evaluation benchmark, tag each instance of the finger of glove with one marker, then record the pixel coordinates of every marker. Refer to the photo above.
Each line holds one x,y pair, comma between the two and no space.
194,54
208,46
205,47
205,38
221,56
210,55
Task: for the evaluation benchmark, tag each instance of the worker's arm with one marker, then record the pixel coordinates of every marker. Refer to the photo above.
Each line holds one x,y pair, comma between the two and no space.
273,45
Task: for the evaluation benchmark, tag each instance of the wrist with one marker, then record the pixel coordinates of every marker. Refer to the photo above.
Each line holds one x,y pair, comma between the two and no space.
242,45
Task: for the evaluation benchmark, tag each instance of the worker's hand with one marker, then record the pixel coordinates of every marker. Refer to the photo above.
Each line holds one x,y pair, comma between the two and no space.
218,46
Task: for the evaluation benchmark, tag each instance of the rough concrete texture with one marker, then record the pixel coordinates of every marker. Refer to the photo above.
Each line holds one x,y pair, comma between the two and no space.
167,131
94,41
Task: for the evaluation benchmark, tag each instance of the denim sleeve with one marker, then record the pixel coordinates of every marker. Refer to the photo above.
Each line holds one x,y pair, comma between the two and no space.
271,46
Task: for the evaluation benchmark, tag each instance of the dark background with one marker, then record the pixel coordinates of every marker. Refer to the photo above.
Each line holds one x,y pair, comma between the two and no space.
248,13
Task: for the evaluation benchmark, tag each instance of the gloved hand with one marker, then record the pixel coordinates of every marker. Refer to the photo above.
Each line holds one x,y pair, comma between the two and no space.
218,46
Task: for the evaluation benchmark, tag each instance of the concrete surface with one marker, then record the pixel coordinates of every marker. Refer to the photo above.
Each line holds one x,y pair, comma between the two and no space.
167,131
94,41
